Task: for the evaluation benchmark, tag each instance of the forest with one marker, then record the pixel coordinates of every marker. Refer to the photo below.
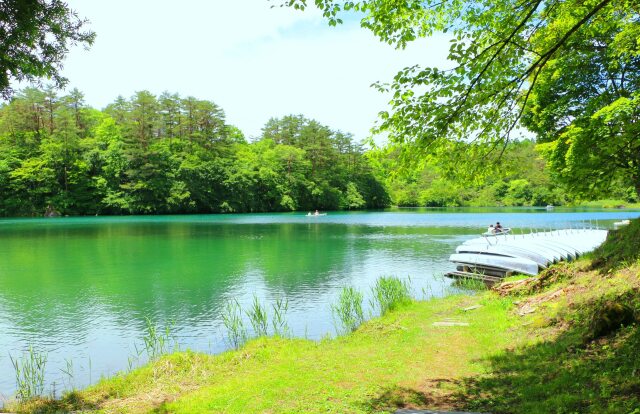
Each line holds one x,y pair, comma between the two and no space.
167,154
566,74
172,155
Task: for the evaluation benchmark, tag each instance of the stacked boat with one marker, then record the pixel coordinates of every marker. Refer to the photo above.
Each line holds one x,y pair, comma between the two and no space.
491,258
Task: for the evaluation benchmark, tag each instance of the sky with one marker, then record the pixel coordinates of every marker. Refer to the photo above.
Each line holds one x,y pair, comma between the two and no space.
253,60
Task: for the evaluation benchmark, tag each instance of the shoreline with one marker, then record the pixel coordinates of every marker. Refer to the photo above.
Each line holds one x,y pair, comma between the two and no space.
607,205
458,352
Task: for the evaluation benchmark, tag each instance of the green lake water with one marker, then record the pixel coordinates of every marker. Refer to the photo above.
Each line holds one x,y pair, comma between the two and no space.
80,289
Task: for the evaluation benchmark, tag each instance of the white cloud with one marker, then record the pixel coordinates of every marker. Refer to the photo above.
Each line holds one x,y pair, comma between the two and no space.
253,60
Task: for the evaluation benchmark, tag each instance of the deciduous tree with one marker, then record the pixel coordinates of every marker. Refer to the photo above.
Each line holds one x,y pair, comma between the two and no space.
35,36
509,58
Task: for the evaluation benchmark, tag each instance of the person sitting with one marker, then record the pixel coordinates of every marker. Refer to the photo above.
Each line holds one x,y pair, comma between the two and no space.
491,230
498,227
317,213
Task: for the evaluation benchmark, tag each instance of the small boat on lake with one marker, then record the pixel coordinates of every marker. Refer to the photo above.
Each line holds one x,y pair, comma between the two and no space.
316,214
497,232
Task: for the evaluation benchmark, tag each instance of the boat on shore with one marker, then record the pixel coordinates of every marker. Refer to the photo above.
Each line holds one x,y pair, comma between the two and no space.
621,223
525,253
503,264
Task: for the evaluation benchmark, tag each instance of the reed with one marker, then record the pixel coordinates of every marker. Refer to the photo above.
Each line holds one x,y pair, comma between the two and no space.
279,322
157,342
258,318
69,372
389,293
348,311
133,360
232,320
29,371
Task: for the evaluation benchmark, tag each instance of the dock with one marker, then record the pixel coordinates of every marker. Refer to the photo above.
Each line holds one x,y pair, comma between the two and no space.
471,275
491,258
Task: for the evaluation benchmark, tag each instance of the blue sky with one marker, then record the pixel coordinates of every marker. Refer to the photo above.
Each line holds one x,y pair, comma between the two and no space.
253,60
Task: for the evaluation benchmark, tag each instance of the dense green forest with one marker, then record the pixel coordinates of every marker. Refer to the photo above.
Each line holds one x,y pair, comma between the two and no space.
167,154
519,176
568,72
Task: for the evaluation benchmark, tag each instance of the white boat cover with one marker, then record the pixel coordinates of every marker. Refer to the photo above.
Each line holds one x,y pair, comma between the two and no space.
507,250
517,252
479,261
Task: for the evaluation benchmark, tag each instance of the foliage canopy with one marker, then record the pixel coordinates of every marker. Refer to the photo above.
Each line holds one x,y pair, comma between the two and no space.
35,36
568,68
168,154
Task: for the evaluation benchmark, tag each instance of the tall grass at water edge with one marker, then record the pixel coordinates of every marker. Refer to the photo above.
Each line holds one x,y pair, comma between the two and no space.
69,372
464,285
158,342
457,286
233,322
29,371
258,318
347,312
279,321
29,368
389,293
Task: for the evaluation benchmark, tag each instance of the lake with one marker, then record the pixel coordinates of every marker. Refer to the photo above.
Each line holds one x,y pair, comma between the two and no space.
81,289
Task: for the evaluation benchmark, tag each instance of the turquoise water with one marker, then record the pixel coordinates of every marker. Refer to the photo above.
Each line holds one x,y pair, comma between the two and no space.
80,289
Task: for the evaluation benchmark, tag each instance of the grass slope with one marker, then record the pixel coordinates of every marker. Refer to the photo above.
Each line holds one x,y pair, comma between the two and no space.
395,361
622,248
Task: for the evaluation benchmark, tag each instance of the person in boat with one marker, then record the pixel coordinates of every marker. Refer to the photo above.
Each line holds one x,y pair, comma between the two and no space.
491,229
498,228
317,213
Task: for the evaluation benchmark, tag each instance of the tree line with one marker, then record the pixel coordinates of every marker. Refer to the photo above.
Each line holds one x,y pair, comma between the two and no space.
566,70
520,176
166,155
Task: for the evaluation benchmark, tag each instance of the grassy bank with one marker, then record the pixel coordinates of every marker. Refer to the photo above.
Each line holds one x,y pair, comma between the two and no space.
609,203
564,342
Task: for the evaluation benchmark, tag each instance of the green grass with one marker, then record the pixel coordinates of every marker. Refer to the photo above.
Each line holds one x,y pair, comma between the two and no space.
568,367
388,362
621,249
609,203
530,347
